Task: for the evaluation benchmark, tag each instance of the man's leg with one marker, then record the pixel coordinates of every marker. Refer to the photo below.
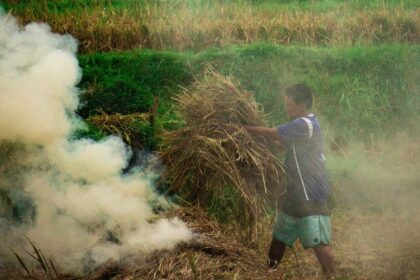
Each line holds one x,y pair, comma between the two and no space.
315,232
326,259
276,252
285,234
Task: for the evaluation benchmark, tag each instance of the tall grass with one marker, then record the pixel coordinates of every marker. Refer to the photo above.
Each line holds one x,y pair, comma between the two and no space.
105,25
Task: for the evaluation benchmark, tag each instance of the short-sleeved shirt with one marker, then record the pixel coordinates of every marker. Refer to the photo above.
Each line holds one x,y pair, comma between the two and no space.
304,162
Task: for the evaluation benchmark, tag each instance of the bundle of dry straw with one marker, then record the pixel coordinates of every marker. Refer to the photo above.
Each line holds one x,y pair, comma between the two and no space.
204,159
125,126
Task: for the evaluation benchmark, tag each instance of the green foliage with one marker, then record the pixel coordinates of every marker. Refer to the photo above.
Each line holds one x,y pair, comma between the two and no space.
59,6
327,5
145,134
363,92
128,82
88,131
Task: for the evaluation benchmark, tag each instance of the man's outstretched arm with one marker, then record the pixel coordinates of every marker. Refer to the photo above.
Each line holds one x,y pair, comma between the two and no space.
267,132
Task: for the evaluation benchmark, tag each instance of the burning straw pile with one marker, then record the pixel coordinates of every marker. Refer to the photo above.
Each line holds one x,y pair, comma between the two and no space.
211,164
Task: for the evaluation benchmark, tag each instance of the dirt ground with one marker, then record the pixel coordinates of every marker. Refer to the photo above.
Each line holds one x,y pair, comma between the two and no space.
363,247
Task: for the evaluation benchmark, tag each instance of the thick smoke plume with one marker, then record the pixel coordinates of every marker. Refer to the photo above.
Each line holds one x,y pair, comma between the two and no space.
79,196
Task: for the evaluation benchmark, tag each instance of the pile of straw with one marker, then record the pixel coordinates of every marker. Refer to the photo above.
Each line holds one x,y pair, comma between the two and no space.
204,159
125,126
215,253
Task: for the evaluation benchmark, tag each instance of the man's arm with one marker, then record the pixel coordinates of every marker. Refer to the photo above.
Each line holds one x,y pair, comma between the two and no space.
267,132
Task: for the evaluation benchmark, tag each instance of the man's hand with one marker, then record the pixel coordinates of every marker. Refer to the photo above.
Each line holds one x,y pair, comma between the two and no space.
266,132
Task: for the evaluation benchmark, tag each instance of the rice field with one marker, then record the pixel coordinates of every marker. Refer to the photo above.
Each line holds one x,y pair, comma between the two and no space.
102,26
166,75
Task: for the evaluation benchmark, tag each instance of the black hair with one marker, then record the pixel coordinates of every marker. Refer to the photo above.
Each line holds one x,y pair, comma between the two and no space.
301,94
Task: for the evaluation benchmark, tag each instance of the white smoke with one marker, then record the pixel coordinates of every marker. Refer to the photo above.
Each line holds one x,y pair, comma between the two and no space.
76,185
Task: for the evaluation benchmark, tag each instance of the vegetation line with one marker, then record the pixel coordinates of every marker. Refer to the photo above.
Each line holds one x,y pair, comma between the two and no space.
197,25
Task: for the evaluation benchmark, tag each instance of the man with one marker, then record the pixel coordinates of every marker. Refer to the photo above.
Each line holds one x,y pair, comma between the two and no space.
304,212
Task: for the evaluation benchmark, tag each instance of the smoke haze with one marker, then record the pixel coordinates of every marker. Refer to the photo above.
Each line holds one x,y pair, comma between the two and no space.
376,198
76,186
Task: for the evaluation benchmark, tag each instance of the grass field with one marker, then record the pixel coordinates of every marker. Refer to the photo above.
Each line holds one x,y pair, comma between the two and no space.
196,25
360,57
382,80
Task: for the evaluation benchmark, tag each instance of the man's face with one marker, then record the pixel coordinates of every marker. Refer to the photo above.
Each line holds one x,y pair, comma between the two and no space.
292,109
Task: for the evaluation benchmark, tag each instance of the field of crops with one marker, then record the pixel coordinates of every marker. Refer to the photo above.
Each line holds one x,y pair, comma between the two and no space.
142,62
124,25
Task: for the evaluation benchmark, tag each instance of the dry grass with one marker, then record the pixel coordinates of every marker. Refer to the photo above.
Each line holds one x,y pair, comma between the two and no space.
215,253
180,27
125,126
378,245
365,245
206,162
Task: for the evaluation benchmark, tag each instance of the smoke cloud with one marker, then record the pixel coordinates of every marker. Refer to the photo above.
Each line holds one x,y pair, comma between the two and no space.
81,199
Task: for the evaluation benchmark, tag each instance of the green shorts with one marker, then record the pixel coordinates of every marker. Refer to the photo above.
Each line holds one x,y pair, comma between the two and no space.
311,230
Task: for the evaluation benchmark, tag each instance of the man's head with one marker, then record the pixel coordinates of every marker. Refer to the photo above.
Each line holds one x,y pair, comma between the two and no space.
298,100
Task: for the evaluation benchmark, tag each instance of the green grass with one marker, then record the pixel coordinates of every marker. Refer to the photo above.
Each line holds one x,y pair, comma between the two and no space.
326,5
293,5
361,92
127,82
